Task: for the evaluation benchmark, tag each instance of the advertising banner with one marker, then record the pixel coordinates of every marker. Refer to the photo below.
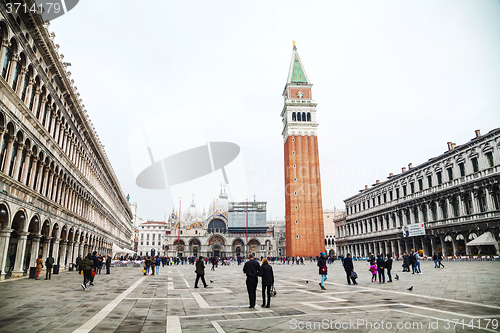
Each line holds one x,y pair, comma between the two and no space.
413,230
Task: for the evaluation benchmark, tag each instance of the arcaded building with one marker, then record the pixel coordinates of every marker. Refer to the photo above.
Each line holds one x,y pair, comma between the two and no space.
450,200
58,191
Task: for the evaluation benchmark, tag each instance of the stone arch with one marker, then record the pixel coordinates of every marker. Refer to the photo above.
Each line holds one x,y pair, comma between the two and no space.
253,246
4,215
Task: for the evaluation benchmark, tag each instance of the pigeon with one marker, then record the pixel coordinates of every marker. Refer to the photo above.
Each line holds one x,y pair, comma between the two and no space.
397,277
211,281
410,289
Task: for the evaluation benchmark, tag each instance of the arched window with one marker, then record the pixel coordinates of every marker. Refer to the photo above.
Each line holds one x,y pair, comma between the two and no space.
17,71
293,117
309,116
303,116
6,62
298,116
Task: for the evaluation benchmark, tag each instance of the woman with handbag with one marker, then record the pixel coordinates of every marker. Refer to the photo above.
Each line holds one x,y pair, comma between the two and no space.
323,270
266,271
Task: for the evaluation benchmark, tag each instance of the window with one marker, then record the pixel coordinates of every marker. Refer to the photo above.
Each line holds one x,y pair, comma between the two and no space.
297,236
397,193
296,207
363,205
295,179
424,212
378,199
385,197
475,166
415,213
303,116
489,156
293,139
154,236
308,116
368,202
373,201
450,173
420,184
294,118
440,178
404,190
454,203
152,243
468,204
482,201
445,209
294,166
434,211
147,243
295,193
142,243
429,181
462,169
293,152
412,187
296,221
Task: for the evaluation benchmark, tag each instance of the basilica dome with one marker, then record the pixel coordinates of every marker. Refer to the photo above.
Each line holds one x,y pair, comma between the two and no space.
192,211
221,204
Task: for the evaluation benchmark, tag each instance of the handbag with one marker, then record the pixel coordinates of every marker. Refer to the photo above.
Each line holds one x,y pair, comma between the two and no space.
273,291
92,272
323,270
354,275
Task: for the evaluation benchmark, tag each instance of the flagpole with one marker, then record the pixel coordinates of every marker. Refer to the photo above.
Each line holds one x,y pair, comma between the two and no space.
247,222
213,226
179,233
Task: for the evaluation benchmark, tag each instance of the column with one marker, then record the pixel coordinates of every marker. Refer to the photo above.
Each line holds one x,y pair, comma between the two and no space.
26,167
46,248
35,246
461,204
49,184
443,250
13,64
439,208
433,245
45,181
62,261
3,51
400,250
20,252
4,247
33,172
454,244
8,155
39,178
488,190
473,195
19,155
425,247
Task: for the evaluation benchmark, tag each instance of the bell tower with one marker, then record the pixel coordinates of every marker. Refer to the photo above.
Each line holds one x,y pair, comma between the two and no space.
303,204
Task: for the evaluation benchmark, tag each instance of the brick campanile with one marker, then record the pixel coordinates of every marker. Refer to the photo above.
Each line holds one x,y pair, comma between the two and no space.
304,209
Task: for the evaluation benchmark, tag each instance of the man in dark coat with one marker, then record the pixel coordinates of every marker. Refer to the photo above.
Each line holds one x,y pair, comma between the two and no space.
412,262
200,272
380,268
406,264
48,264
349,268
86,265
251,269
388,266
78,261
108,264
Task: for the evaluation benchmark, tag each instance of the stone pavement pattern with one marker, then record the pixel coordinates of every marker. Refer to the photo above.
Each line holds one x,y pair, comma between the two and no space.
127,301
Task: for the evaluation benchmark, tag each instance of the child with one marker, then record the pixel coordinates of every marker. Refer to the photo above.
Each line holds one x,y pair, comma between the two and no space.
373,269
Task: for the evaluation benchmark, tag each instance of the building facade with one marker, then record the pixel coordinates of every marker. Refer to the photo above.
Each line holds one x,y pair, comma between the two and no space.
150,238
58,191
220,231
454,196
330,217
303,202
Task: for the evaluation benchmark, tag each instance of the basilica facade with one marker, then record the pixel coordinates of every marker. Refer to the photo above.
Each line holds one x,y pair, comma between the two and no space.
220,231
452,201
59,194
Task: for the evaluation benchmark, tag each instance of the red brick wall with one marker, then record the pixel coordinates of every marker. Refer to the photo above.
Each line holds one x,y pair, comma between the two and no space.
308,199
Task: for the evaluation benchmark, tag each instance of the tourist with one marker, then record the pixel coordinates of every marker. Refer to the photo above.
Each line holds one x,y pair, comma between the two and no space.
373,270
200,272
49,262
158,263
147,263
435,258
78,261
266,271
417,263
251,269
153,265
323,270
388,267
440,258
380,268
108,264
412,261
39,266
95,264
349,269
86,267
100,262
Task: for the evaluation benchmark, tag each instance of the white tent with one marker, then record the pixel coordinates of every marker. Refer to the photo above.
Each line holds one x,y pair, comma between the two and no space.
116,250
485,239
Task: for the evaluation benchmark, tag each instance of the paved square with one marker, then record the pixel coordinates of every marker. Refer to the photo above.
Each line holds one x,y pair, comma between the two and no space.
127,301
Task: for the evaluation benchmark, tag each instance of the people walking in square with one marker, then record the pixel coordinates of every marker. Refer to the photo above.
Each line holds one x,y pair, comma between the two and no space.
153,265
266,271
412,262
251,269
406,262
323,270
49,262
349,268
39,266
158,264
380,268
435,258
100,262
108,264
95,264
388,267
200,272
440,258
147,262
86,267
373,270
78,261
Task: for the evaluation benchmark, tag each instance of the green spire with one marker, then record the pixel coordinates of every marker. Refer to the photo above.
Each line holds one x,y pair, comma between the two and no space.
298,74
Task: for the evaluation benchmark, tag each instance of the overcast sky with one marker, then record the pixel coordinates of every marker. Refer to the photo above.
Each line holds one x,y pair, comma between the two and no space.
394,81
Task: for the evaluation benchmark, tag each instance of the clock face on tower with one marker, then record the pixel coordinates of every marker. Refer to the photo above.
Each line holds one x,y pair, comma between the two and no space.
300,94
